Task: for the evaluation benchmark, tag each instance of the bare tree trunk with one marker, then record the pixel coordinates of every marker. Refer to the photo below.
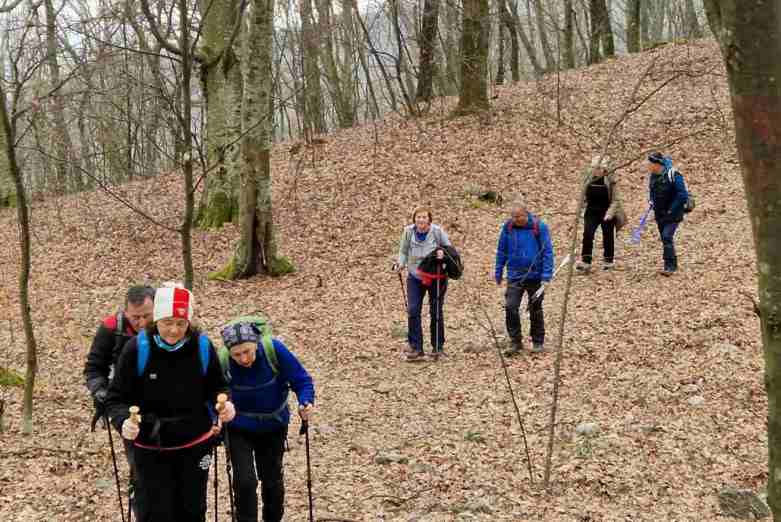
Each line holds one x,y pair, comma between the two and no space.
428,38
473,95
608,44
527,44
569,41
314,119
693,29
508,21
344,111
187,146
378,59
66,177
749,34
7,140
633,25
348,63
256,251
543,30
220,204
499,80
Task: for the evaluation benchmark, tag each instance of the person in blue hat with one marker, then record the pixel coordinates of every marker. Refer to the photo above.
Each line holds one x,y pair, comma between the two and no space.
668,195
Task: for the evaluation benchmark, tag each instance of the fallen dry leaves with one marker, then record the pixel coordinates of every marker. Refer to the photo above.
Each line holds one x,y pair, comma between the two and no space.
637,347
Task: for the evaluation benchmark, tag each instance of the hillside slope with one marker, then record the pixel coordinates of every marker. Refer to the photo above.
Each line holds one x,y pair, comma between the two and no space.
637,346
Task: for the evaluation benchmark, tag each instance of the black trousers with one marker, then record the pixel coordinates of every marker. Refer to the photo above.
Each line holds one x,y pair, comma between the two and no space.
253,456
171,485
512,302
593,219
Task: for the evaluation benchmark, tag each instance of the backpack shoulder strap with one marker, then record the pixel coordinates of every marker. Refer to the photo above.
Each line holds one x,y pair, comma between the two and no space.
120,330
143,352
203,353
271,353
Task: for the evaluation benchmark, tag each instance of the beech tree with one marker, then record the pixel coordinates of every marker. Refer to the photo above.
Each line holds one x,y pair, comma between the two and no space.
749,33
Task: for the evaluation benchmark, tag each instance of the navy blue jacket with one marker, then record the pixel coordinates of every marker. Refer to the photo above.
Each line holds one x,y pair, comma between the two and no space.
260,396
668,195
519,250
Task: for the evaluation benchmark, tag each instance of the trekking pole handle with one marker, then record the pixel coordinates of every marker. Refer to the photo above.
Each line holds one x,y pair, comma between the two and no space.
134,414
221,400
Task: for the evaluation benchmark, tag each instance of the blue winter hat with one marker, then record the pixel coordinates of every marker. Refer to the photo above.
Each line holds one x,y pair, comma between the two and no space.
239,333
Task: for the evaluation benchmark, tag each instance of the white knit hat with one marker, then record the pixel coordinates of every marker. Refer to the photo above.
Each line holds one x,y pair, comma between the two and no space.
173,302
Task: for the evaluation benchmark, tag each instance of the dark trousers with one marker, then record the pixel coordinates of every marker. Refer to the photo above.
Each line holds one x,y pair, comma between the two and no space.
416,290
512,302
593,219
171,485
253,456
667,234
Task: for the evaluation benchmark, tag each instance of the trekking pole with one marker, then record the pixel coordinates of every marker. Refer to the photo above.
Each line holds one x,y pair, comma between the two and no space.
221,399
401,282
540,290
305,431
638,231
116,470
438,310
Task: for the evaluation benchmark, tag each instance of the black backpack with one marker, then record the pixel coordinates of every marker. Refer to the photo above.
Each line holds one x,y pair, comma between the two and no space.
454,267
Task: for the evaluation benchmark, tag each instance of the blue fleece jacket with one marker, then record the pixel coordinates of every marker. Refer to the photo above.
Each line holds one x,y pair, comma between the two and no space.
519,250
256,390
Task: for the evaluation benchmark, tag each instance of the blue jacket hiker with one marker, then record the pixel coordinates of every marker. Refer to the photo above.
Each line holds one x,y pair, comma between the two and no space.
668,196
260,371
526,250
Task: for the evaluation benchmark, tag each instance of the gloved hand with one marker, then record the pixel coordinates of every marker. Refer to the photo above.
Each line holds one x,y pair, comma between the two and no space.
100,396
228,412
130,430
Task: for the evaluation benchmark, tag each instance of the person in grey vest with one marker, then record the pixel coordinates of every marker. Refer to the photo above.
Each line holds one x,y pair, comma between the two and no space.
418,240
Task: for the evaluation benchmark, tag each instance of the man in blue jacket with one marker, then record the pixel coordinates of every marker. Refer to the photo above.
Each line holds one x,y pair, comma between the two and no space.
260,371
525,248
668,197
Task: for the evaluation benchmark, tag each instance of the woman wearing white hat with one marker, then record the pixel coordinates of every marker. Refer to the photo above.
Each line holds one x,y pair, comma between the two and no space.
171,372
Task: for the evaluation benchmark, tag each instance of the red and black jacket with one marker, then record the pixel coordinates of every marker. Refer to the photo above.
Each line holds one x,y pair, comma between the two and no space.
114,331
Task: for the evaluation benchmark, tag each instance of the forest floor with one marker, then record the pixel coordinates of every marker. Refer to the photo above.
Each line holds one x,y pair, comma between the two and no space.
669,369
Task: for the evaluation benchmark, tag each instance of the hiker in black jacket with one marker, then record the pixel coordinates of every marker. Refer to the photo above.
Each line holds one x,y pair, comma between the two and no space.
172,374
114,331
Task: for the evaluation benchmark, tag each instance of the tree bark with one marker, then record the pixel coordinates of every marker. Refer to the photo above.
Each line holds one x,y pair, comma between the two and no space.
314,117
508,21
633,8
569,41
256,251
750,38
64,159
693,29
527,43
499,80
473,95
7,140
542,28
428,38
221,202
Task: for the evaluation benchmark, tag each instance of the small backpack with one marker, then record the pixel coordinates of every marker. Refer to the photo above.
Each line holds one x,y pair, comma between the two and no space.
263,326
143,352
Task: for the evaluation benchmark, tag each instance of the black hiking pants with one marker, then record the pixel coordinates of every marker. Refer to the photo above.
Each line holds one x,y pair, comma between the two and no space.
258,456
171,485
512,302
593,219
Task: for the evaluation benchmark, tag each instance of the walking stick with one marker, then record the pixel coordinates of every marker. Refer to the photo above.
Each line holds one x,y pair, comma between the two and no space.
437,312
305,431
401,282
221,399
116,470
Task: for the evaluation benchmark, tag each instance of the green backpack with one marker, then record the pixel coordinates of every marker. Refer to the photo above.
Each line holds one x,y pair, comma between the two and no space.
264,327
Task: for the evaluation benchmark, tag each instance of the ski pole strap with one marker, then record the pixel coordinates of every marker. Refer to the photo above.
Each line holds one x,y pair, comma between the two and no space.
206,436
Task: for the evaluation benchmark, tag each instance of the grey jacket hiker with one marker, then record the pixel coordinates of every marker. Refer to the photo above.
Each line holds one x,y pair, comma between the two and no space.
412,251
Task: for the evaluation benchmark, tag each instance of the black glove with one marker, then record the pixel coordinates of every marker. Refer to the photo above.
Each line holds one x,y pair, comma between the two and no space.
100,396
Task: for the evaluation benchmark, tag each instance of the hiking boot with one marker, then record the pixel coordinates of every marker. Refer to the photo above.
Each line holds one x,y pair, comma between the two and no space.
515,349
583,268
414,356
667,272
608,265
538,347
